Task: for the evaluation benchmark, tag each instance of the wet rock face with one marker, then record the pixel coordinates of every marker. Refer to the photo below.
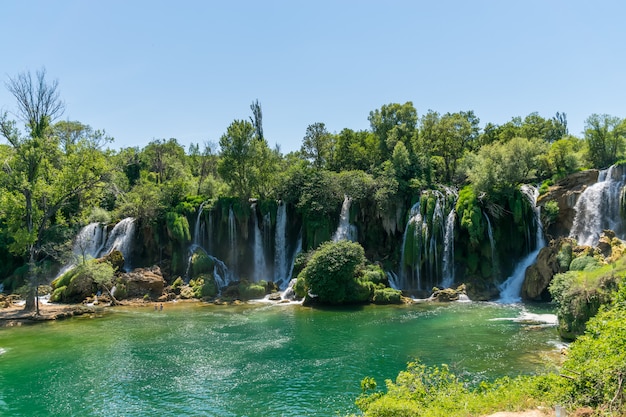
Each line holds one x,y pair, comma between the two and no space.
539,275
142,281
566,193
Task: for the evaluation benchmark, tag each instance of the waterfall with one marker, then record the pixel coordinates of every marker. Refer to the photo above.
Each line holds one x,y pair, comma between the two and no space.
427,250
448,250
232,237
222,275
345,230
280,244
260,268
120,239
492,243
415,222
598,208
510,289
296,251
196,230
88,243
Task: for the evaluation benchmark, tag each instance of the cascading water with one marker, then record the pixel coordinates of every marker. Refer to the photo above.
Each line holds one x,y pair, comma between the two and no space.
448,251
345,230
232,238
598,208
88,244
427,257
260,268
221,273
280,244
120,239
492,243
510,289
92,242
197,235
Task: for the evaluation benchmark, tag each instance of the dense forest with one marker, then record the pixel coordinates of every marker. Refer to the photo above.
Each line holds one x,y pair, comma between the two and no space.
59,175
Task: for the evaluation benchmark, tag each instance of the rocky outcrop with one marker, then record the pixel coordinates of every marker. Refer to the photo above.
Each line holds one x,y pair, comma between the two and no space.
144,281
539,275
566,193
449,294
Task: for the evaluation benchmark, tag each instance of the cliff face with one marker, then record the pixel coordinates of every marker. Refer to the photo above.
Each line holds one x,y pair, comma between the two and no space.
566,193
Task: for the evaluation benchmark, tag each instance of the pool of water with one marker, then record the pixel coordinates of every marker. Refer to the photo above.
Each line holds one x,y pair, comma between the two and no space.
252,360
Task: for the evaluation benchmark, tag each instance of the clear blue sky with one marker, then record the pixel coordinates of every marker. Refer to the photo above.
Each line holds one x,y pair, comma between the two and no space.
145,70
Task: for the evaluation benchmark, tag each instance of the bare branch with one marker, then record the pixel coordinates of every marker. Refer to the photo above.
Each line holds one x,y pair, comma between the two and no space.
38,103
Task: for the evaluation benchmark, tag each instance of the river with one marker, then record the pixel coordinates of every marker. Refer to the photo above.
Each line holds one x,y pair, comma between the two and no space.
252,360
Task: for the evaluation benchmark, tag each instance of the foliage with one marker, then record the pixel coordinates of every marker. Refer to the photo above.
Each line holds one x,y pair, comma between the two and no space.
201,263
549,213
387,296
331,273
580,294
605,137
251,290
470,214
432,391
178,227
236,165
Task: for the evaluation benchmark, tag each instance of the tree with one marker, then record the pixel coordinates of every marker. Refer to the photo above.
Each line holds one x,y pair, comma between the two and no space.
605,136
392,123
166,159
237,158
257,119
39,182
316,145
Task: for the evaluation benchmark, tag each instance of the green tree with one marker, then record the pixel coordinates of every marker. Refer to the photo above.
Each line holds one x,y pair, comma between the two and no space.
393,123
166,159
605,136
237,158
39,181
316,145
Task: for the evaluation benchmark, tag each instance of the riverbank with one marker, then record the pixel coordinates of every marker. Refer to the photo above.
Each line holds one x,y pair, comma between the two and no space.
15,315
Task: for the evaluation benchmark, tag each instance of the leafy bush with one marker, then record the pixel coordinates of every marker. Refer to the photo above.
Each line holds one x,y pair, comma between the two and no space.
251,290
578,296
201,263
178,282
331,272
596,363
564,256
584,263
549,213
387,296
57,295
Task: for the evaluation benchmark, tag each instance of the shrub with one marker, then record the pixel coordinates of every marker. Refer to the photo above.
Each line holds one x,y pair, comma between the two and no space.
596,363
331,272
201,263
387,296
584,263
58,295
564,257
178,282
251,291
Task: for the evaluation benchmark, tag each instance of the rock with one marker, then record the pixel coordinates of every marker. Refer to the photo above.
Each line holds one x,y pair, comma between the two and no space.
142,281
448,294
115,258
566,192
540,274
275,296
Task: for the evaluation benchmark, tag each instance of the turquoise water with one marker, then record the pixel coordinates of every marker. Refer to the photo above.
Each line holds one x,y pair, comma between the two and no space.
259,360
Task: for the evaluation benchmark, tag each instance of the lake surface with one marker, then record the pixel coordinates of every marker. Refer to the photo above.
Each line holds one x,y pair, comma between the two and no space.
252,360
